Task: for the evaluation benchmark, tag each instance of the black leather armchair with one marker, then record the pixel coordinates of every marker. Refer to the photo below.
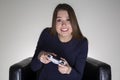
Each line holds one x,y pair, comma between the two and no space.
94,70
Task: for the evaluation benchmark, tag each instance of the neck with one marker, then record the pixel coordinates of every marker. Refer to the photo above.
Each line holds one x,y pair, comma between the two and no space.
64,38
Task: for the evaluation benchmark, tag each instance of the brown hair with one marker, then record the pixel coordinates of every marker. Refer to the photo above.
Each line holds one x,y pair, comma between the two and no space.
73,20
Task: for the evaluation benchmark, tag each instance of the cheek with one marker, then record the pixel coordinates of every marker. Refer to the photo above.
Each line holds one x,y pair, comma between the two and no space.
57,28
71,30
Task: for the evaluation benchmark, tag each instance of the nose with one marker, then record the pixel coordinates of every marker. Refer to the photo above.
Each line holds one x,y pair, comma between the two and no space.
64,23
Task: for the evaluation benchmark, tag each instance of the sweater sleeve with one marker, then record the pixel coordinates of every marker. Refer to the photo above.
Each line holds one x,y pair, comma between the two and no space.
78,69
35,63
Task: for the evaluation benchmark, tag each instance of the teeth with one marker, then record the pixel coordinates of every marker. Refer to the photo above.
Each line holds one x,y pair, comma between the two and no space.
64,29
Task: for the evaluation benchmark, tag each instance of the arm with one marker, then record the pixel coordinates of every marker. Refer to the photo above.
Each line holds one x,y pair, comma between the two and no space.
78,68
35,63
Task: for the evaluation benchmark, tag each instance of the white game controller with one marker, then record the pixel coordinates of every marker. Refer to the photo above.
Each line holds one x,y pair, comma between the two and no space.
55,60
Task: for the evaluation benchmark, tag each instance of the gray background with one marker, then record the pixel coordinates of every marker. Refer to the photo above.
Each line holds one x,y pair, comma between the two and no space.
21,22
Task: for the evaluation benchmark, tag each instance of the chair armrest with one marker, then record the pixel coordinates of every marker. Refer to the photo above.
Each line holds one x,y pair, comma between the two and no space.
22,70
96,70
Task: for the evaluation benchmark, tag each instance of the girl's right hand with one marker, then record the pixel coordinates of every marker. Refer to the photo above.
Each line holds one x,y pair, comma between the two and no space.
43,57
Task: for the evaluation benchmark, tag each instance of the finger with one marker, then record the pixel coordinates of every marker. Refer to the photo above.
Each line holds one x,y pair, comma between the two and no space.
45,61
64,60
43,58
47,58
53,54
60,65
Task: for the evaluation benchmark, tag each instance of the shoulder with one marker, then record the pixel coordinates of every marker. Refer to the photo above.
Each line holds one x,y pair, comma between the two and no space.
82,43
83,46
45,33
83,40
46,30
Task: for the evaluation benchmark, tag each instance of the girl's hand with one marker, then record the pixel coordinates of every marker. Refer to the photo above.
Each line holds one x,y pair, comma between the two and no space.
64,69
43,57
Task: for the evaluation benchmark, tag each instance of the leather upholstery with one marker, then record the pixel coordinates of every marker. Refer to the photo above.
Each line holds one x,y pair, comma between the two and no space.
94,70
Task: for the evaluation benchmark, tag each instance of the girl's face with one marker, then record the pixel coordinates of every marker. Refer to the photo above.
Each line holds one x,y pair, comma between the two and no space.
63,25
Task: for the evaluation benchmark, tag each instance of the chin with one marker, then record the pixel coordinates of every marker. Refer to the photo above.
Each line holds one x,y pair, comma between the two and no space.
64,35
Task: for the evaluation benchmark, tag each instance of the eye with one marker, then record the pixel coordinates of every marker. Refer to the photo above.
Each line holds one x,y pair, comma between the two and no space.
58,20
68,19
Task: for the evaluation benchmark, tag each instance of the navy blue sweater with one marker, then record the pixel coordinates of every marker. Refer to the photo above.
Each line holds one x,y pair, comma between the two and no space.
74,51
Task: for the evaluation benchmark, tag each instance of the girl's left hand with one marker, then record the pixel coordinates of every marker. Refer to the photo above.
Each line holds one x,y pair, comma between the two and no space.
64,69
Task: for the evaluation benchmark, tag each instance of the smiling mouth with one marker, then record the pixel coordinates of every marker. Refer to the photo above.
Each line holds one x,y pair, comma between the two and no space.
64,30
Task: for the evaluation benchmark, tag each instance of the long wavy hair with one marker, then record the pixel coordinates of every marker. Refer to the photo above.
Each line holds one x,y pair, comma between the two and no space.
73,20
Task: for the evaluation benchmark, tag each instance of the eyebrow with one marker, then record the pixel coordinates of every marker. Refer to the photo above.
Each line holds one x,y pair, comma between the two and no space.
61,17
